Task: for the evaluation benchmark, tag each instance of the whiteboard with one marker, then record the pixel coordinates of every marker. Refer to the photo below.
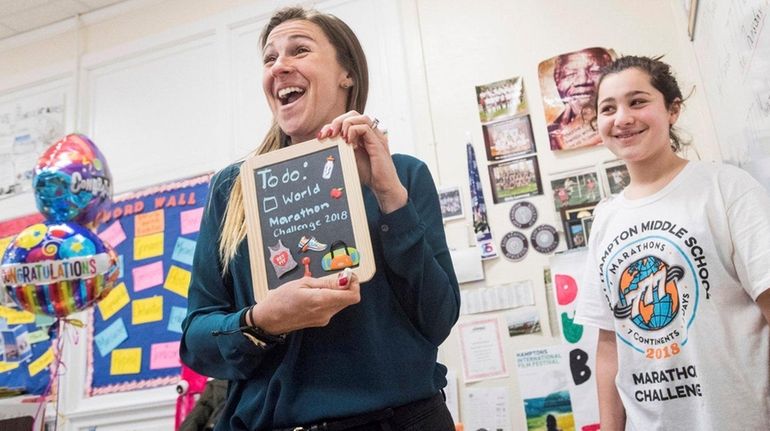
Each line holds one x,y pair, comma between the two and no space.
732,47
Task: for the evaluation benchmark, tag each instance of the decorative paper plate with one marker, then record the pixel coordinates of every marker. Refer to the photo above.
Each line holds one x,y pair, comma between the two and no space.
544,238
514,246
523,215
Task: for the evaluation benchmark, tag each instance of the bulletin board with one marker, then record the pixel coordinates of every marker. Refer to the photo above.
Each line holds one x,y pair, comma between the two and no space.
30,374
134,333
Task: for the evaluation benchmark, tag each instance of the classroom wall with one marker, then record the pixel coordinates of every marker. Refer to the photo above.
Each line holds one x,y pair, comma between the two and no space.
494,40
170,89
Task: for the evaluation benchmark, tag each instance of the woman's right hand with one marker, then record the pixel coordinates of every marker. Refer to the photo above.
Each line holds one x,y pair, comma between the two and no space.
305,303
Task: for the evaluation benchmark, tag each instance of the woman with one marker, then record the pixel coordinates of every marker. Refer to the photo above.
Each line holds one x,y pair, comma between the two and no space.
677,277
318,352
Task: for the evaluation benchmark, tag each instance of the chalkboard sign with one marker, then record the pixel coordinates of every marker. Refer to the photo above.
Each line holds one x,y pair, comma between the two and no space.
305,214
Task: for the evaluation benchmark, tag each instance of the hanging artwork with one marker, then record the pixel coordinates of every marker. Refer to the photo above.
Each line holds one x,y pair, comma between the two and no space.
568,84
515,179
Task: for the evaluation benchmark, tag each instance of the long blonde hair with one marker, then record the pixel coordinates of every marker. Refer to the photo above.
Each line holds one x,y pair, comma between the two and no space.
351,57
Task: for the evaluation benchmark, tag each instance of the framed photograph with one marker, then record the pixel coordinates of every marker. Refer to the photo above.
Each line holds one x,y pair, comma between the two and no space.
576,230
587,222
576,189
451,203
515,179
617,177
501,99
305,214
508,138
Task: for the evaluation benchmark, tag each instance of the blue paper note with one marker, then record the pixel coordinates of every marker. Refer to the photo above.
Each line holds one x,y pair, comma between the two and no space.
120,266
175,318
111,337
184,250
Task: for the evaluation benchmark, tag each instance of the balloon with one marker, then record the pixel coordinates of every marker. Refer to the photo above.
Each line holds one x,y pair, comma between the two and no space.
72,181
58,268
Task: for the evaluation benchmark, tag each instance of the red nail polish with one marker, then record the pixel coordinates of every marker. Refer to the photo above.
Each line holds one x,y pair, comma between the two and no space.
343,281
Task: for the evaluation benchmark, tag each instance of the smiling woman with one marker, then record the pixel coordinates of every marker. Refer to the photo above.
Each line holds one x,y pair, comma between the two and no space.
660,300
322,352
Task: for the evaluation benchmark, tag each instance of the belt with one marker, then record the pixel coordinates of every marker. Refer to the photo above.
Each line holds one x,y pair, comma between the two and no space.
367,418
345,423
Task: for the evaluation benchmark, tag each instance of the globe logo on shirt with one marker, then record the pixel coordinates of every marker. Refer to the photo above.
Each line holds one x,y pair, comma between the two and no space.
648,293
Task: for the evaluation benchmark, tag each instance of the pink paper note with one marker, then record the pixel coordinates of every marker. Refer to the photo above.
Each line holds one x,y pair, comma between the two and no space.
566,289
164,355
114,234
147,276
190,220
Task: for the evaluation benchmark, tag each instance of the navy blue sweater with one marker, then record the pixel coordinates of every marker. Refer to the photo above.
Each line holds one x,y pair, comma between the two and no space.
375,354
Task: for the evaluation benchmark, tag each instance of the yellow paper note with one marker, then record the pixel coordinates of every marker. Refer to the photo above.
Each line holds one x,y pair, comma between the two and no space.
126,361
4,242
5,311
148,246
8,366
147,310
40,363
18,317
115,300
177,280
151,222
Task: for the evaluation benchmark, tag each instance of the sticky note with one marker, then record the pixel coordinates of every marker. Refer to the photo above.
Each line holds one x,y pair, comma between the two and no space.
41,363
115,300
114,234
190,220
164,355
37,336
147,223
120,266
147,310
4,243
111,337
148,246
175,318
147,276
184,250
126,361
43,320
8,366
18,317
178,280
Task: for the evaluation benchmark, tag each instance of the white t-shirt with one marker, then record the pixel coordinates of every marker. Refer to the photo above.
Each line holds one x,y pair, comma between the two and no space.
675,275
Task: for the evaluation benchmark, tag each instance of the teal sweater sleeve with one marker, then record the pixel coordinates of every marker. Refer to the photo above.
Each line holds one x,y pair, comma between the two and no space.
417,256
212,303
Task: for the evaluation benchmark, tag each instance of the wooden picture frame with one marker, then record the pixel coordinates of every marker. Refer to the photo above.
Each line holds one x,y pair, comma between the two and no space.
508,138
515,179
305,196
577,222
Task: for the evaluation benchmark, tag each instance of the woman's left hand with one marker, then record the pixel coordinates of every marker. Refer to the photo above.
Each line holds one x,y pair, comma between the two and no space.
375,165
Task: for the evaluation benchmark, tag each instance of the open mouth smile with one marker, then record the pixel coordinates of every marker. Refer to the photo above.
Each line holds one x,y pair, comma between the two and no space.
289,95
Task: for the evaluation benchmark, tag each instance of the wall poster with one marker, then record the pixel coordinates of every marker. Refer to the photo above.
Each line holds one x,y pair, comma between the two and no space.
27,127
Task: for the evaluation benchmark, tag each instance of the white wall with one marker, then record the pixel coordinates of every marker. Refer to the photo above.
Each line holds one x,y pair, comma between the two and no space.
493,40
173,90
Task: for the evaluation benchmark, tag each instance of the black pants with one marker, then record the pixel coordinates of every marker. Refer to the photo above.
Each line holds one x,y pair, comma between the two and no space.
430,414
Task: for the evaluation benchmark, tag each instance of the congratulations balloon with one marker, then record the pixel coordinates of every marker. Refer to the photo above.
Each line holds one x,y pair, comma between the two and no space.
72,181
58,268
